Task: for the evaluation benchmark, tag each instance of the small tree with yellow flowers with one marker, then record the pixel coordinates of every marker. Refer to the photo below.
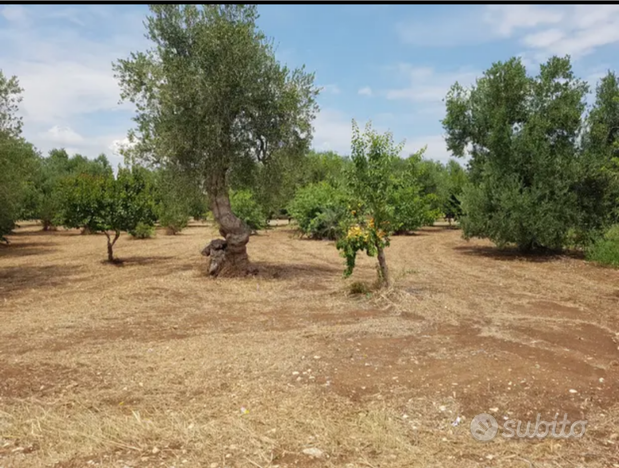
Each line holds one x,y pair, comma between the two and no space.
371,184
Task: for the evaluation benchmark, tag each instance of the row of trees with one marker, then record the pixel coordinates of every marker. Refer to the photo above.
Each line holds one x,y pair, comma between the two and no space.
544,171
220,121
213,101
311,187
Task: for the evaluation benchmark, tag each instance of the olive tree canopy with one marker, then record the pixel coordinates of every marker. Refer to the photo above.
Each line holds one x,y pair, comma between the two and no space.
211,96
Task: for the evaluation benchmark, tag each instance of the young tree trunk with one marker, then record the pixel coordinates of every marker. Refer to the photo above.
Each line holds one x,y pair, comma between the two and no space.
228,257
48,225
383,269
110,246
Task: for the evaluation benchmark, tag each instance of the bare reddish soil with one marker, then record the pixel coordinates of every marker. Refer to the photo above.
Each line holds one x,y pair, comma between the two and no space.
155,364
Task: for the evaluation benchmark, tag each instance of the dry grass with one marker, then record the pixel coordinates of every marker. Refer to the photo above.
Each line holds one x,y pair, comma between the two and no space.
154,364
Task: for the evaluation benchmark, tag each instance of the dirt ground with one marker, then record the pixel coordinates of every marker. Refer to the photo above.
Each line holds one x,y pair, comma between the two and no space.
153,364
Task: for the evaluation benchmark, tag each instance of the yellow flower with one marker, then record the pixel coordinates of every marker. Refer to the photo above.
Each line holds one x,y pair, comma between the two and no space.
356,231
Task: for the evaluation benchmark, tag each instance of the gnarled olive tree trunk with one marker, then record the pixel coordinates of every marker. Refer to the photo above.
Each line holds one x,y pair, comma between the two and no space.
227,256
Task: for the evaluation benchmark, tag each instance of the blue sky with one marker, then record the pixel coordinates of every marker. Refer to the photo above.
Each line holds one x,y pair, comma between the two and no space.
392,64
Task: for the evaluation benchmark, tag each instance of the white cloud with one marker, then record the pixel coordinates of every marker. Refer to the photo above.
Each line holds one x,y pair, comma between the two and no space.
330,88
67,74
506,19
63,55
66,89
577,30
543,38
62,136
73,142
333,132
428,86
436,147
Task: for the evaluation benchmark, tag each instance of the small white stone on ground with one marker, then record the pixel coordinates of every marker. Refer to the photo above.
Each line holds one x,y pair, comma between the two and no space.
313,452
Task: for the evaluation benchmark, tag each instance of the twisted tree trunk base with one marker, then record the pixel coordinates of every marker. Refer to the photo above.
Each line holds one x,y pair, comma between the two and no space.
228,257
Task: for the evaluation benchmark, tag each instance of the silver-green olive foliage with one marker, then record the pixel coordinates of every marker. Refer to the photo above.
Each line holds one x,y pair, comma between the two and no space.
522,134
211,94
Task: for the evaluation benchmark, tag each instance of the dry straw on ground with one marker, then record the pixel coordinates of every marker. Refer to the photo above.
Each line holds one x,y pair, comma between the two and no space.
154,364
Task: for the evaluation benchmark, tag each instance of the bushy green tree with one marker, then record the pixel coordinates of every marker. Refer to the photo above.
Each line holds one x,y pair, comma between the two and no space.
246,208
102,203
320,210
142,231
10,98
42,198
324,166
456,180
605,249
372,187
522,132
416,196
17,157
84,199
275,184
177,199
211,96
598,187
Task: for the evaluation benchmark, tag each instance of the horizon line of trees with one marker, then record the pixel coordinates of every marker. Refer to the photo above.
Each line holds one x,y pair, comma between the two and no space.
223,127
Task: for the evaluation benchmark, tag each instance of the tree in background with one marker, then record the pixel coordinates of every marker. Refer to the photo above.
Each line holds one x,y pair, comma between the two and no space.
325,166
599,187
10,97
456,180
372,187
17,160
210,97
175,198
321,210
246,208
42,198
17,157
523,135
417,193
102,203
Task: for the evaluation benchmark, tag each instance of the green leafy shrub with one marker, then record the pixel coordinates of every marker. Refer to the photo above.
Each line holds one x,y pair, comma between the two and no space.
320,210
102,203
412,210
606,249
330,223
247,209
142,231
521,134
177,199
173,217
372,186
